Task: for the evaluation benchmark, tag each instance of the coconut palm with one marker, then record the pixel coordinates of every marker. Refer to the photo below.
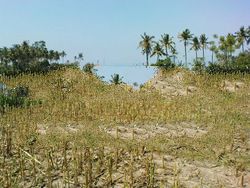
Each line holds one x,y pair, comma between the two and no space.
248,35
63,54
185,36
223,47
158,51
196,46
116,79
146,45
167,43
242,37
204,43
174,53
231,44
213,49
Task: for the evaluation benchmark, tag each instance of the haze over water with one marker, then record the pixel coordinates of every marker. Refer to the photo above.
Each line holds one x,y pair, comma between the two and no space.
129,73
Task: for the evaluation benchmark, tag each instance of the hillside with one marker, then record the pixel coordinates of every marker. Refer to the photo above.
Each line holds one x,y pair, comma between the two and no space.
179,129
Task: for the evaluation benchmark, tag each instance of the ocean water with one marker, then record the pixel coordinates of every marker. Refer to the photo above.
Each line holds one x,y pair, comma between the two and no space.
129,74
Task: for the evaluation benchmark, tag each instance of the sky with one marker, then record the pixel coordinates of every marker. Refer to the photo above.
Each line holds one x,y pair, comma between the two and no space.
108,31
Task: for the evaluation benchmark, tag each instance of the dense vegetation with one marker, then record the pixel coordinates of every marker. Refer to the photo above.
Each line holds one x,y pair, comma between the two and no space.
35,58
223,48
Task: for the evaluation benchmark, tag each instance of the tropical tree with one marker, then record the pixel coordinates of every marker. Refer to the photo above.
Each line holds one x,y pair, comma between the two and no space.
223,47
227,46
231,44
196,46
185,36
63,54
204,44
146,45
213,49
167,43
116,79
248,35
89,68
174,53
158,51
22,58
242,37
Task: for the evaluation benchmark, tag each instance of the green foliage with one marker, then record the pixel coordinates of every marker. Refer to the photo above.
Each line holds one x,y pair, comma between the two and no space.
116,79
240,64
16,97
165,64
89,68
198,66
146,45
34,58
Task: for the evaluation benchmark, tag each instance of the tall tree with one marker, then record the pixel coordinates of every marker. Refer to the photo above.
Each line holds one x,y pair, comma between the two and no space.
231,44
63,55
146,45
242,37
185,36
248,35
158,51
196,46
167,43
204,43
213,49
174,53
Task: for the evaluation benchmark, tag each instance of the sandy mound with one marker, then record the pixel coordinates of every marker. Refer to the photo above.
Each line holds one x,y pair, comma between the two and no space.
232,86
172,85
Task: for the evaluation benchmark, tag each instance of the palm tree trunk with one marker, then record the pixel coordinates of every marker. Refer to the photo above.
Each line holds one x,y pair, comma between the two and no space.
146,59
212,57
166,52
203,54
243,47
185,45
196,55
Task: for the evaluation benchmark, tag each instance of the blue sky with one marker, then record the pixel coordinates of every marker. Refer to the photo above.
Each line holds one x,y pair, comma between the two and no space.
109,30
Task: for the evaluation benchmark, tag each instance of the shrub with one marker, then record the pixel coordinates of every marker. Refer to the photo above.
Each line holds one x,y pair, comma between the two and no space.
165,64
239,64
89,68
14,98
198,66
116,79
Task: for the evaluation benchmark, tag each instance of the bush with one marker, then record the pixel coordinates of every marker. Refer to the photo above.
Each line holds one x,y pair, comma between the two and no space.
165,64
240,64
89,68
198,66
14,98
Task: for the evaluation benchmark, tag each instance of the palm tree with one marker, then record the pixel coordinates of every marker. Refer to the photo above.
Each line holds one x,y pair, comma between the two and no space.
223,47
167,43
213,49
63,54
231,44
174,53
185,36
196,46
158,51
248,35
204,43
116,79
146,45
241,37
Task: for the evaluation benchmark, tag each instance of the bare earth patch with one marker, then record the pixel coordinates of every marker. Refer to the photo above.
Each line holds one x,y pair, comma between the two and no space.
142,132
172,85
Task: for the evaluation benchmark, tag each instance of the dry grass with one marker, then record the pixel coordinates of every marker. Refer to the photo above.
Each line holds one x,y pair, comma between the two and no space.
63,141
